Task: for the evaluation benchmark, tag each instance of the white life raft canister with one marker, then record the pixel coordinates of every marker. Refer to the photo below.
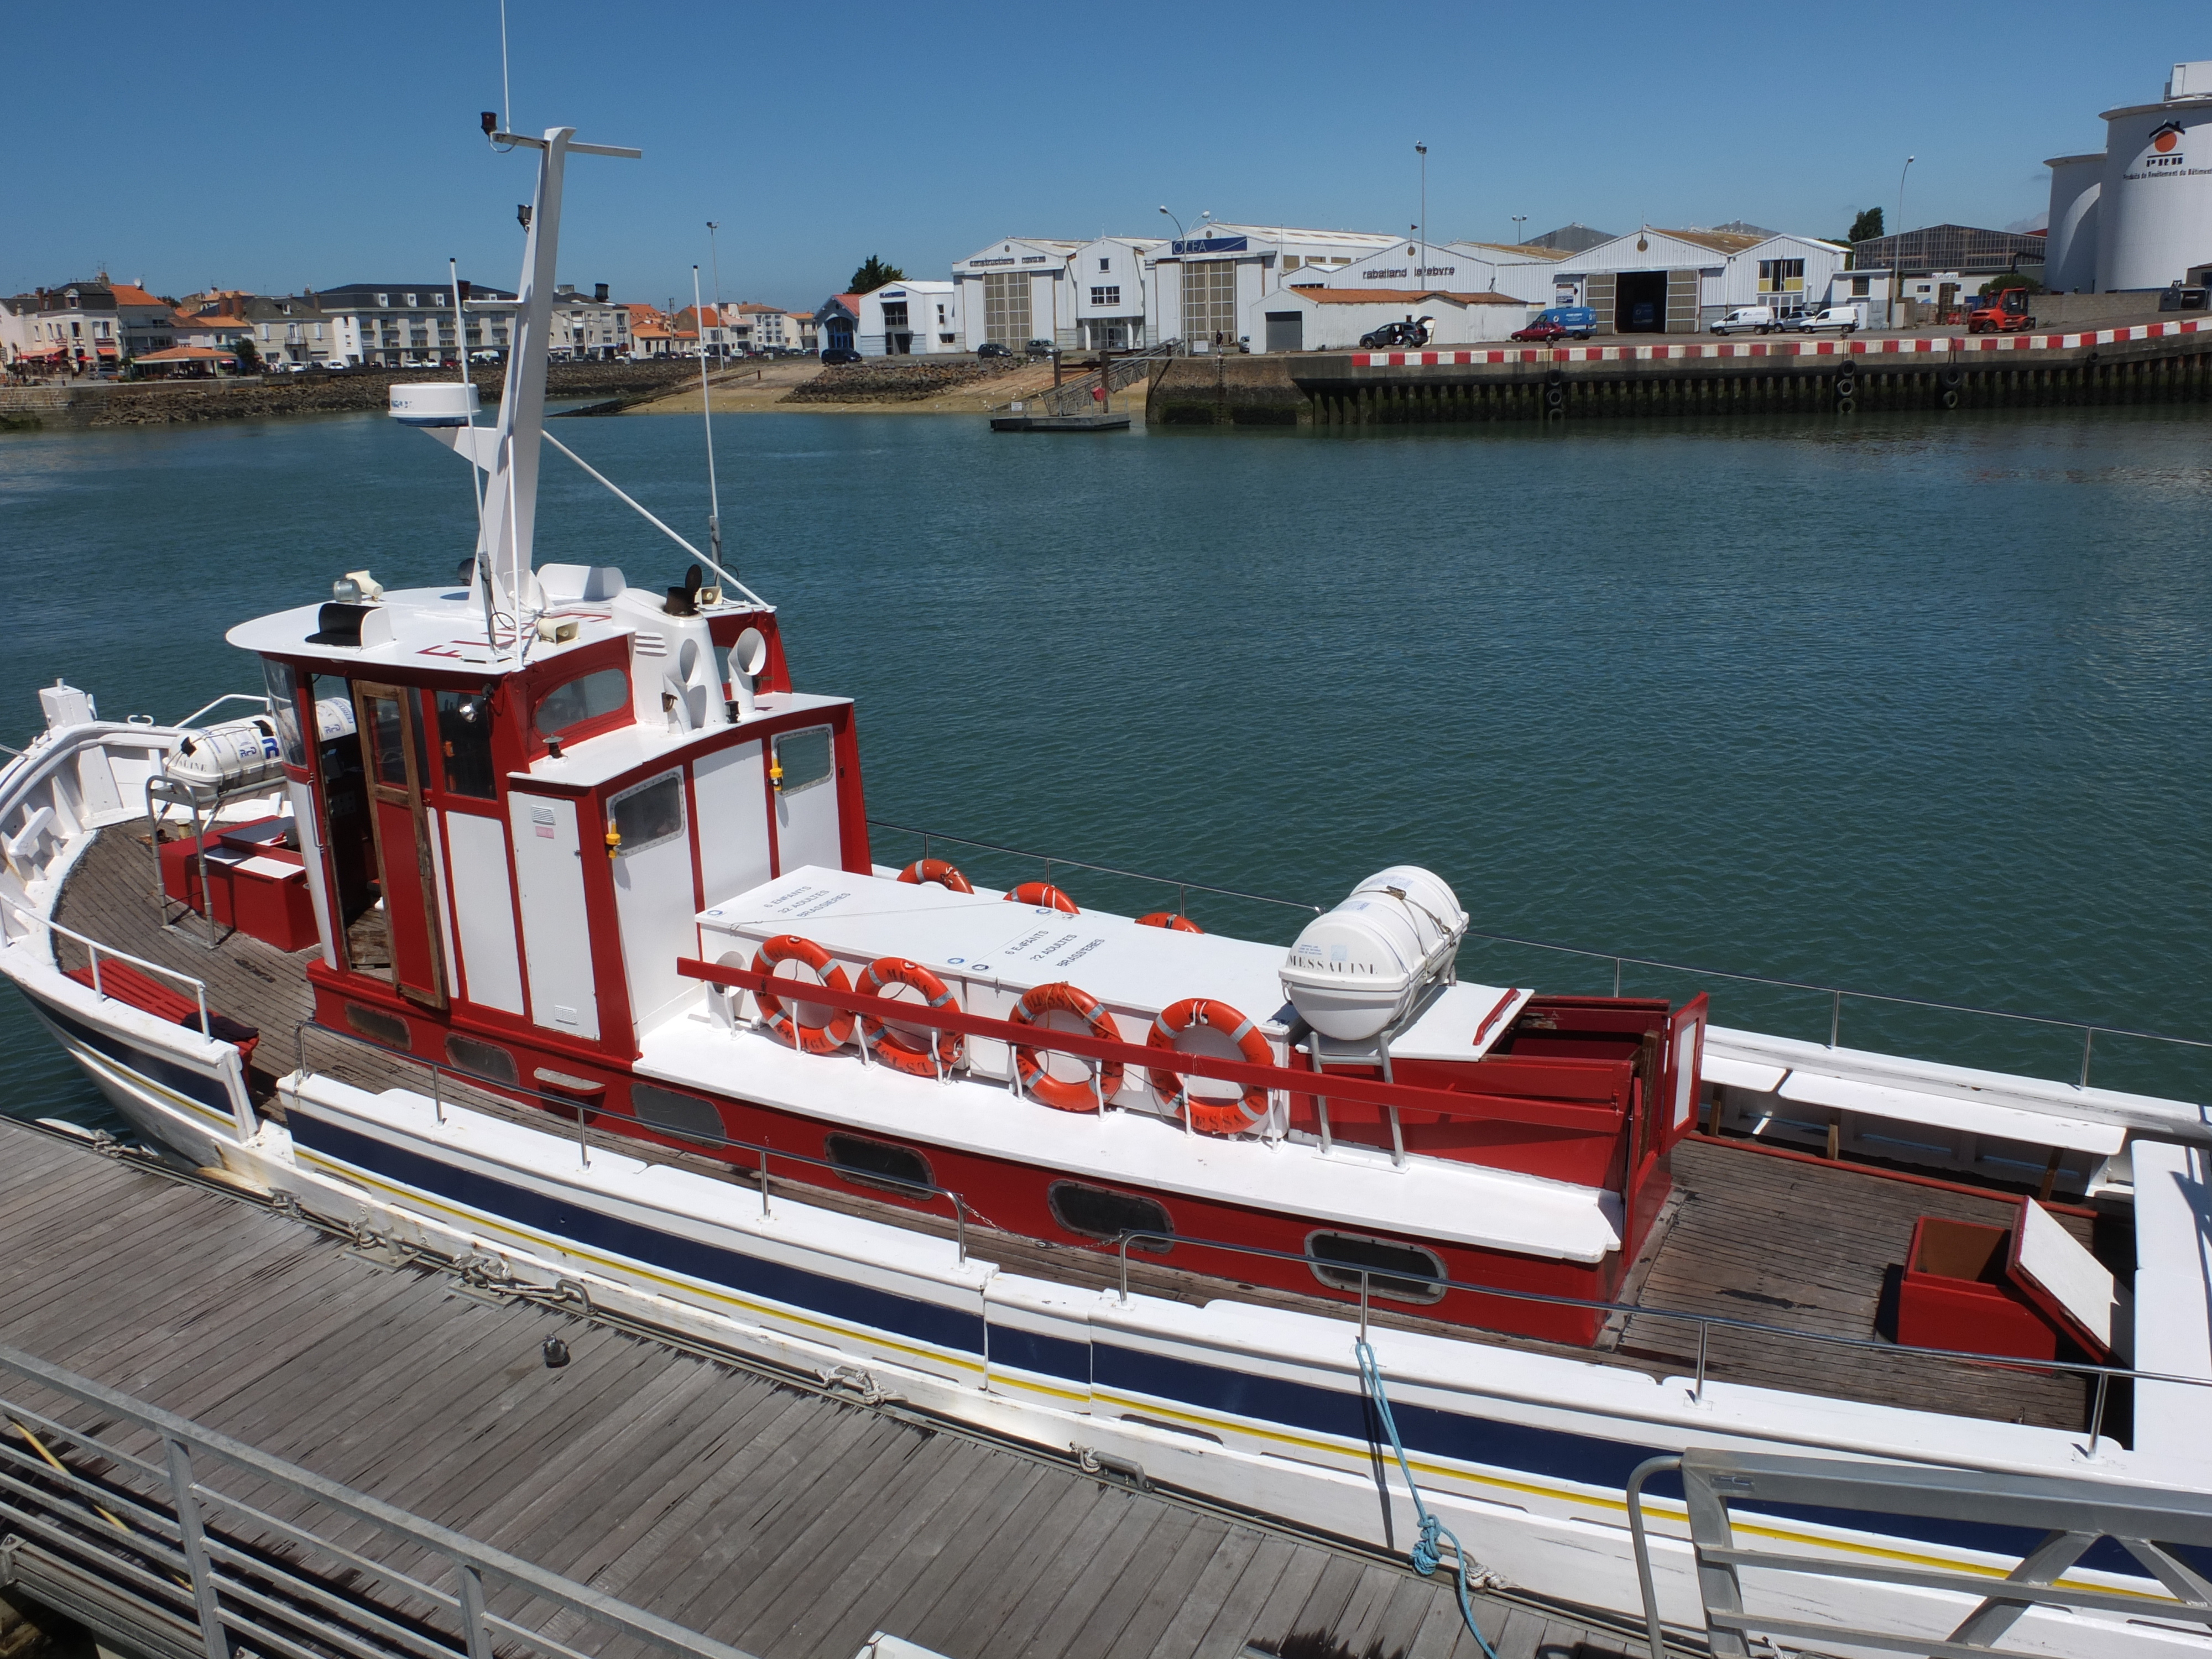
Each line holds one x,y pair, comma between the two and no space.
1357,969
240,754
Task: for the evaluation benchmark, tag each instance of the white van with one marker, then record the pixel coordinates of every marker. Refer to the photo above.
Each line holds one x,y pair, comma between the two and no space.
1747,319
1844,319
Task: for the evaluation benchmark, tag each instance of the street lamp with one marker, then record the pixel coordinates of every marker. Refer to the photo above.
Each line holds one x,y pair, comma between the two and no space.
1180,234
1422,150
1519,220
715,259
1897,245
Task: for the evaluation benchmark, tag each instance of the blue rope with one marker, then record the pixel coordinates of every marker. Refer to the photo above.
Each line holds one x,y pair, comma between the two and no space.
1427,1556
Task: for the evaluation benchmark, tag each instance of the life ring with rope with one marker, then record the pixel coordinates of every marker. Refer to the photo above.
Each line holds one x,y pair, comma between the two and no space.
1061,997
1170,921
938,872
1044,896
900,1050
825,1038
1211,1117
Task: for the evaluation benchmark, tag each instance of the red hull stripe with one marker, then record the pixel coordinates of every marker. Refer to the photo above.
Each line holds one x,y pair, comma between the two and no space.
1543,1114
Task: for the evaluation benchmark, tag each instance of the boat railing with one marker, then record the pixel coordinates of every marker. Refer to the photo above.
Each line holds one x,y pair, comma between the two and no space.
254,697
96,951
166,1527
1835,995
1704,1324
572,1105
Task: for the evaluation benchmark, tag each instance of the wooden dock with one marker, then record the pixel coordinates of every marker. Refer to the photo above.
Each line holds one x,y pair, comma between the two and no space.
787,1520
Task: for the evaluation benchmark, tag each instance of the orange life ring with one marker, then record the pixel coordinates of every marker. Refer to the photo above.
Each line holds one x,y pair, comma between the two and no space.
1171,922
1044,895
936,870
821,1039
895,1047
1061,997
1221,1117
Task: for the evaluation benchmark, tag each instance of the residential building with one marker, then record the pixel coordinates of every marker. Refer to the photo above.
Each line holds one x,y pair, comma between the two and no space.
74,327
288,330
769,328
407,324
593,328
838,322
909,320
650,333
708,329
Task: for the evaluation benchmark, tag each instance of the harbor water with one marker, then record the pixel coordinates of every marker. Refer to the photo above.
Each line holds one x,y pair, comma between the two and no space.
1917,706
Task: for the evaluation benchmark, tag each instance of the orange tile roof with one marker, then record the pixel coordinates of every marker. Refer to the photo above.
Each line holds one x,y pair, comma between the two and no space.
189,355
127,294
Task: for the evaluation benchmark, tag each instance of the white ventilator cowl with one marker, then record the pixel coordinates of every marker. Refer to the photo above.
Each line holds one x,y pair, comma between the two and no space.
1355,970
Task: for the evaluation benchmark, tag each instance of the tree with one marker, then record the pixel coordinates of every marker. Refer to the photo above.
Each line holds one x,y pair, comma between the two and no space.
249,359
1867,227
873,275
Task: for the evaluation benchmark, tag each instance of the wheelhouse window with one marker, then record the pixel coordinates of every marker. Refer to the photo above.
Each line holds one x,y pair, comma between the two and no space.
387,738
805,757
1395,1271
646,814
464,744
1101,1212
283,684
583,702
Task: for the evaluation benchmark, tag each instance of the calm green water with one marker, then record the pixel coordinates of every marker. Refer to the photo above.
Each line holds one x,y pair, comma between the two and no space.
1917,706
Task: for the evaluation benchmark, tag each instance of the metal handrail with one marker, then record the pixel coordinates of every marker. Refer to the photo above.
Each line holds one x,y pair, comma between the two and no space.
2090,1031
961,1208
1705,1322
93,946
220,1583
228,697
1050,859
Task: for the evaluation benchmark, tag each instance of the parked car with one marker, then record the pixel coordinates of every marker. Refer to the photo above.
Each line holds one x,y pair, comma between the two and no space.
1408,336
1560,323
1844,319
1040,348
840,355
1747,320
483,357
992,348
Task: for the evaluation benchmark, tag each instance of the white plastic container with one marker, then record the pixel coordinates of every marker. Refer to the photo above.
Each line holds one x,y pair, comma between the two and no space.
1356,970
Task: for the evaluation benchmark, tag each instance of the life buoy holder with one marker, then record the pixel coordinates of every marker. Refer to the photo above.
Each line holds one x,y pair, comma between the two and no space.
898,1049
823,1039
1044,896
1211,1117
1061,997
1171,922
938,872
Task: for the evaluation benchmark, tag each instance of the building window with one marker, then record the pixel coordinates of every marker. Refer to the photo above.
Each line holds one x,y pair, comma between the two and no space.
1861,287
1781,276
1290,262
1105,264
1108,298
384,298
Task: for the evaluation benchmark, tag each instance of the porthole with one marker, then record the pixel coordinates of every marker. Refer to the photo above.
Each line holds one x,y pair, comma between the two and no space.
676,1115
484,1060
1337,1259
377,1025
1101,1212
880,1164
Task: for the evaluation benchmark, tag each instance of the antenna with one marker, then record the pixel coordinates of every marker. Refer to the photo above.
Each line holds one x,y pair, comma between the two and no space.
706,409
506,93
479,578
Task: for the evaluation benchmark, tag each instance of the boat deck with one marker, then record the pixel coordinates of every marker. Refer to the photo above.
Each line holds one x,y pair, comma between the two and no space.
775,1516
1798,1245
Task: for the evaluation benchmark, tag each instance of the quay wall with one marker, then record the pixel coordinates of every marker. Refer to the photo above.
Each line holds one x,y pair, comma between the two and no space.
2162,362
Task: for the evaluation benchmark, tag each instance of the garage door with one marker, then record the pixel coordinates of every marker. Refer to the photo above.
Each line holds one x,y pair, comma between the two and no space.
1640,302
1681,302
1286,330
1601,300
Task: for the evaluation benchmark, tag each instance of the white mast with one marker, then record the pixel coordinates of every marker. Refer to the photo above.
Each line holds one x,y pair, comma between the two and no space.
511,503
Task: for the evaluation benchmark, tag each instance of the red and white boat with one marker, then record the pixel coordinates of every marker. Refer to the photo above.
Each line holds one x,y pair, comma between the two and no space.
550,858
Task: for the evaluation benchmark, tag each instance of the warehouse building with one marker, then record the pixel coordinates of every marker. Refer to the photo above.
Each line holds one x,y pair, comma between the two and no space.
1209,290
2138,216
1680,281
909,320
1329,318
1018,289
1112,279
1521,273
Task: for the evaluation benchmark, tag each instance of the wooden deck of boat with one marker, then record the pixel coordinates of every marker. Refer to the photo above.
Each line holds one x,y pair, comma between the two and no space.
789,1524
1801,1245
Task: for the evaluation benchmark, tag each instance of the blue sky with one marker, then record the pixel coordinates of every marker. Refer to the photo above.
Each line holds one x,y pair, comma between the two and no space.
817,136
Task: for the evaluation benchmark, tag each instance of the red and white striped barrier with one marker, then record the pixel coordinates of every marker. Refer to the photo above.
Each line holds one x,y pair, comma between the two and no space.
1916,345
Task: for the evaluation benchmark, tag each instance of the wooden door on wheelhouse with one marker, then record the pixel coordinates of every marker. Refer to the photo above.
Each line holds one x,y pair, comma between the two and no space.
392,749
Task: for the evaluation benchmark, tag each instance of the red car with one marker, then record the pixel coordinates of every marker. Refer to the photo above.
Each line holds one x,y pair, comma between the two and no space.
1541,333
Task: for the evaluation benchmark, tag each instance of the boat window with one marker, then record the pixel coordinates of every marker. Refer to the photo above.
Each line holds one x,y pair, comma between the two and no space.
1101,1212
804,756
676,1115
377,1025
646,814
387,744
1338,1258
484,1060
587,697
879,1164
464,744
284,704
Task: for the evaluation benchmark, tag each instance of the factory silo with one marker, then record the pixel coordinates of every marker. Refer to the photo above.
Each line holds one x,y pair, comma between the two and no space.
2076,181
2154,210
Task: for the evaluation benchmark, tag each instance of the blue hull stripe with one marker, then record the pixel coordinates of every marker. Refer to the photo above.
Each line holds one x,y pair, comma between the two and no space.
194,1085
860,1305
1541,1453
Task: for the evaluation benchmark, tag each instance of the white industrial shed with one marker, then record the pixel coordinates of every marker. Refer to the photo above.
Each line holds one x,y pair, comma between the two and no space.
909,320
1112,280
2139,216
1677,282
1458,268
1333,318
1207,290
1016,290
